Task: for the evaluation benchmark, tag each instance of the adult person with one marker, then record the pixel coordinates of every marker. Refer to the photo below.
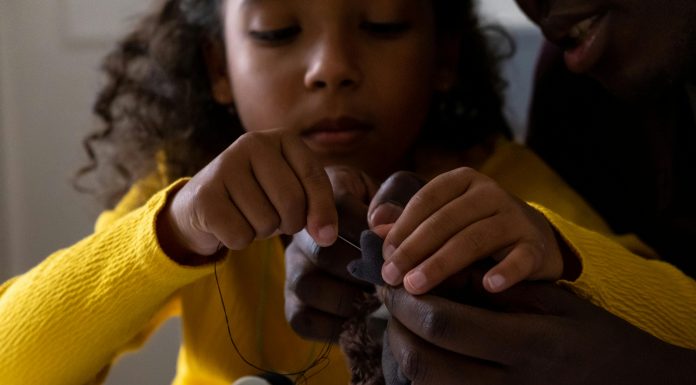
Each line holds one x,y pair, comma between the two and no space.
613,113
537,333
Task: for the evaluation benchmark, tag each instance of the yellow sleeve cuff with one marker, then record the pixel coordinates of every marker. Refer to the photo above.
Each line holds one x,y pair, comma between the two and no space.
650,294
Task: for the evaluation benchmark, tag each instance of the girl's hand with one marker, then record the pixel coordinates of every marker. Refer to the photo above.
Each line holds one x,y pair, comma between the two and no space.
265,183
463,216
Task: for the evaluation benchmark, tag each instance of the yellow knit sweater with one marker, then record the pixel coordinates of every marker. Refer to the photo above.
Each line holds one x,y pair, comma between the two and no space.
67,319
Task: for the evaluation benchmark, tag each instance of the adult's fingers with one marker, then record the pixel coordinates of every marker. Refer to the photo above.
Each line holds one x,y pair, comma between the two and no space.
316,314
391,198
311,323
533,297
426,364
317,303
325,293
332,260
461,328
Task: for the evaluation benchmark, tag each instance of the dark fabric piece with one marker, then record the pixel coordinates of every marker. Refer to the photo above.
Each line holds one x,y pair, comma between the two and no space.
634,163
369,267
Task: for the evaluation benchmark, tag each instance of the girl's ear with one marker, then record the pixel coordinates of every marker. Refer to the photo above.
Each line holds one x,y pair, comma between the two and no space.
215,60
448,62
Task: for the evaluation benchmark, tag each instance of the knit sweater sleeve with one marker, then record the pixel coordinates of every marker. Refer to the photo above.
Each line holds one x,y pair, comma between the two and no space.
616,275
65,320
650,294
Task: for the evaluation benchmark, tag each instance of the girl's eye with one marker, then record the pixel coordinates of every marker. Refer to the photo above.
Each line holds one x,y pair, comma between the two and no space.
275,36
385,30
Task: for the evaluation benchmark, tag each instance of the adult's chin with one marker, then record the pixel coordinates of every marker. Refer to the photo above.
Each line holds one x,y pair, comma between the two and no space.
634,76
636,88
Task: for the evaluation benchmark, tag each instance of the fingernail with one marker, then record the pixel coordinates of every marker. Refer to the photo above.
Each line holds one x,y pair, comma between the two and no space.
391,274
388,251
496,281
416,280
385,213
327,235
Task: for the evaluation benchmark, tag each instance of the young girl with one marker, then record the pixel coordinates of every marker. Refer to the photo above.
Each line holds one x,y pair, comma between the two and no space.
253,98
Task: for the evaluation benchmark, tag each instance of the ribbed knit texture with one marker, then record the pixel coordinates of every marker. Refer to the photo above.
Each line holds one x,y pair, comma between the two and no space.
651,294
64,320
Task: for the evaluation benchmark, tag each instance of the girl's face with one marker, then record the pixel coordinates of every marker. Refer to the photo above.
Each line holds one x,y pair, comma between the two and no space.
352,78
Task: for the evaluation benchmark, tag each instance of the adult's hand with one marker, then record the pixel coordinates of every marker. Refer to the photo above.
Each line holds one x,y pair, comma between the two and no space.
320,293
532,333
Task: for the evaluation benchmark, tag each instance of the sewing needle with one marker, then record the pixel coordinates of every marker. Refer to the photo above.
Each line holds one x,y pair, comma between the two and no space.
349,242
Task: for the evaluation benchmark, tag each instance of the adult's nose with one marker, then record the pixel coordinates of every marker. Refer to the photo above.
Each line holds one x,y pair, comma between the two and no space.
332,66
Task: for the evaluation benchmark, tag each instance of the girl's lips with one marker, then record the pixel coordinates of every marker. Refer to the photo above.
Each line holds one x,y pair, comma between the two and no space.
330,135
590,42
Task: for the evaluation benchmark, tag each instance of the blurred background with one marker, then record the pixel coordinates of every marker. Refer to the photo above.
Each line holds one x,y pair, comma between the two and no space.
50,53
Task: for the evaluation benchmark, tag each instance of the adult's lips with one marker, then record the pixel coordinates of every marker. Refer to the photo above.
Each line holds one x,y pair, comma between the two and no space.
562,27
582,35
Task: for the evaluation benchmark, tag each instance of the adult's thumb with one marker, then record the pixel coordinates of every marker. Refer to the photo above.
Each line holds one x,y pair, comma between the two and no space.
391,198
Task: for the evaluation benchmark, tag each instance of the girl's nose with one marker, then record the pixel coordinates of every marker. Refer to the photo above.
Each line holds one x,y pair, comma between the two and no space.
332,67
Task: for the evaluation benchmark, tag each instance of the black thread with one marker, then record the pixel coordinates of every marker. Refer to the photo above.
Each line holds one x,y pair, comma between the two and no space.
321,362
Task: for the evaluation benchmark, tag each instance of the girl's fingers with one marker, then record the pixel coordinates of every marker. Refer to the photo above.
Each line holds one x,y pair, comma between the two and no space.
322,219
225,222
382,230
517,266
282,188
424,203
475,204
471,244
251,201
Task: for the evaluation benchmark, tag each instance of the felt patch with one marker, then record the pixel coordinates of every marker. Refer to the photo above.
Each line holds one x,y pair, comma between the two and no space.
369,267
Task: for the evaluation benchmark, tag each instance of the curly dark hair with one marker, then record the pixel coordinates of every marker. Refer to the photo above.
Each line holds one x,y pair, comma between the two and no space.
157,97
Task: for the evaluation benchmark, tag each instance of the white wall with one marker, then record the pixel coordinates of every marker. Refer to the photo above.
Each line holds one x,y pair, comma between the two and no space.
50,78
49,58
4,231
520,68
